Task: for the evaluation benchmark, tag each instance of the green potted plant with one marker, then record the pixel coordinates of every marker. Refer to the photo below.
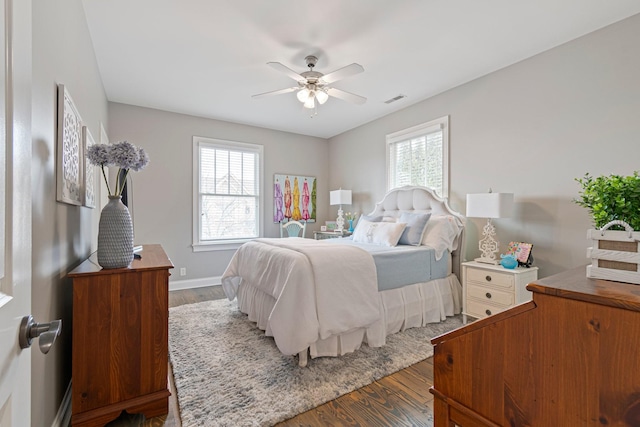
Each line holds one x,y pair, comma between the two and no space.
610,198
614,204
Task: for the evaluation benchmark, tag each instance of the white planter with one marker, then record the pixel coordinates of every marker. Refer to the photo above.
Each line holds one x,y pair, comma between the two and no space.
615,255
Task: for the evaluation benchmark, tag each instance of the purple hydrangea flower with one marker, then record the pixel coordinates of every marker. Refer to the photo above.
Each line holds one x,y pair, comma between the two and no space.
99,154
124,155
143,160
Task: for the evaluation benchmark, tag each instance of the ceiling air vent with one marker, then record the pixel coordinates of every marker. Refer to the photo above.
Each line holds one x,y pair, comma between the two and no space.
395,98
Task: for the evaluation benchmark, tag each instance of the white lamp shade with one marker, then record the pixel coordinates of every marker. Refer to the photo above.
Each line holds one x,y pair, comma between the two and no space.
340,197
303,94
311,100
489,205
322,97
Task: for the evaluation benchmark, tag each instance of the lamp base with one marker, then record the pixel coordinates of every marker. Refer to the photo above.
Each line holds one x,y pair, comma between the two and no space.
340,220
488,245
487,261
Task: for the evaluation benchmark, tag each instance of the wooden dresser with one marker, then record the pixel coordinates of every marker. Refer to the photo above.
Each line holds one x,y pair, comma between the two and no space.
570,357
120,339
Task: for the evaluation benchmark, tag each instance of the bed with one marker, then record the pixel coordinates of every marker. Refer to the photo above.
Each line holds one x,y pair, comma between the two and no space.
327,297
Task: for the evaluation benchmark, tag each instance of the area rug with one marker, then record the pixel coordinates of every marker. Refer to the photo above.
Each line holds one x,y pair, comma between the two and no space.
228,373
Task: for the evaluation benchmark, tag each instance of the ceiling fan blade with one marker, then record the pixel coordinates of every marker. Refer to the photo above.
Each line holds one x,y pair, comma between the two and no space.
343,72
346,96
288,71
275,92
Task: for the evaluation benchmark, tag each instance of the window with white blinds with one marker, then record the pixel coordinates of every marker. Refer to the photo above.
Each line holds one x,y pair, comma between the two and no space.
420,156
227,191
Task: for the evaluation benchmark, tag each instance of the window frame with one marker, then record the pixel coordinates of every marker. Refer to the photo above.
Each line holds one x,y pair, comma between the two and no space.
227,244
423,129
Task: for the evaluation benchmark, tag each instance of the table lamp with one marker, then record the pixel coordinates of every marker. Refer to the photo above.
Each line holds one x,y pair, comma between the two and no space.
489,205
340,197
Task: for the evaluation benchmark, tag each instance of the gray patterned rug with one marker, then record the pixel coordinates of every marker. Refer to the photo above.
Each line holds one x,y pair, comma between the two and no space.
228,373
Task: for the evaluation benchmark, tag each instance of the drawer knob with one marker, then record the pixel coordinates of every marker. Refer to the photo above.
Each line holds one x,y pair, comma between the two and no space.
488,295
488,278
488,312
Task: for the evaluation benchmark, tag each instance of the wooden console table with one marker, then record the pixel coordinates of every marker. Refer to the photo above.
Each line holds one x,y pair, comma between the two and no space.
120,339
570,357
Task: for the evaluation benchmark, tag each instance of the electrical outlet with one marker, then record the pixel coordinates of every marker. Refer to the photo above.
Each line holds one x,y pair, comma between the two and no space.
183,271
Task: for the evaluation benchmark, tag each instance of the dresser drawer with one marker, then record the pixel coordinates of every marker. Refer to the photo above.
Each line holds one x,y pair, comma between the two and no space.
488,277
490,295
482,309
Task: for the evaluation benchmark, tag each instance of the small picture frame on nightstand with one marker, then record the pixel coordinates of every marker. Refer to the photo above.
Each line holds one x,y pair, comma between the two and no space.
522,252
323,228
331,225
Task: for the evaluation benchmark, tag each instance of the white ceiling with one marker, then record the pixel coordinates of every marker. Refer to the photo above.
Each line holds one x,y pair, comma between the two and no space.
207,57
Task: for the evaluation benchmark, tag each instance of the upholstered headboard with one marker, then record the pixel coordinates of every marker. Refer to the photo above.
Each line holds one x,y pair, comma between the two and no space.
422,200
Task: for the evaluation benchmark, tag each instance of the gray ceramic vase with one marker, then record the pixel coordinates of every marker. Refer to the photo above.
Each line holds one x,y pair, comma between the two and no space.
115,235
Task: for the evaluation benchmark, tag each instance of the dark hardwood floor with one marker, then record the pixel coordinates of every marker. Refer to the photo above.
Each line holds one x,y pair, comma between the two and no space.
401,399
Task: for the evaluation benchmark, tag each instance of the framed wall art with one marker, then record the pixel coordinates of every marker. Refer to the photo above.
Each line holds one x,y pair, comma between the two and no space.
89,171
294,198
70,163
104,139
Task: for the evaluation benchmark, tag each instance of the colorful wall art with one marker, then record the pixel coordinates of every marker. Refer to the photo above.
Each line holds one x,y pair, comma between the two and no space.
294,198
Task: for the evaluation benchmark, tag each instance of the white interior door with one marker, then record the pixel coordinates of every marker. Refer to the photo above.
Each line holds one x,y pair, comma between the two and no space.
15,209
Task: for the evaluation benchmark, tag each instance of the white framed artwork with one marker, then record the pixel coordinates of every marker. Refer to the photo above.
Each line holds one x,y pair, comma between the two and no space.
69,170
104,139
89,171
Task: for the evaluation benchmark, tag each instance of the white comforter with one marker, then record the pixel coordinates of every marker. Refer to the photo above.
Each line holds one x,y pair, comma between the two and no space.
320,289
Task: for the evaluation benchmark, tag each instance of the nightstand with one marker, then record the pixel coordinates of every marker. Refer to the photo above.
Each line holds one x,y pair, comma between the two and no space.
321,235
489,289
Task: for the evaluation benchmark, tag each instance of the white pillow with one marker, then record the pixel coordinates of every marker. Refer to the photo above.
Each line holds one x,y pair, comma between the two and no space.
441,234
378,233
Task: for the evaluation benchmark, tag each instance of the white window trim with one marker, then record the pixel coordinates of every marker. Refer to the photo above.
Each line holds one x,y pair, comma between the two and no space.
441,123
225,245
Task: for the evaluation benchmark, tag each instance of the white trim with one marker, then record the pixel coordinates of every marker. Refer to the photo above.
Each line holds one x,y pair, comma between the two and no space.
418,130
255,148
441,124
177,285
63,417
222,246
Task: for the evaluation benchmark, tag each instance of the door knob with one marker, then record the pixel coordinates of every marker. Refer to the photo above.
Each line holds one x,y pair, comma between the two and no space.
45,332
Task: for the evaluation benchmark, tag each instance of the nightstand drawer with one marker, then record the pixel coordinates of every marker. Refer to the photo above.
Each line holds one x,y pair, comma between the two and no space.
481,309
490,295
488,277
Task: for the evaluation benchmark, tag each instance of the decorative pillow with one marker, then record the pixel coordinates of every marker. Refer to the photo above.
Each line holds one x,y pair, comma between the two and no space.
441,234
378,233
371,218
416,226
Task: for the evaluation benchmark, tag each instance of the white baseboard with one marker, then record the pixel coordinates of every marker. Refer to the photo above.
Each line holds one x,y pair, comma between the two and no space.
176,285
63,417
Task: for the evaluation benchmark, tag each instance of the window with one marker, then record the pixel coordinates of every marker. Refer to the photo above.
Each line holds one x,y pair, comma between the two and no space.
227,189
420,156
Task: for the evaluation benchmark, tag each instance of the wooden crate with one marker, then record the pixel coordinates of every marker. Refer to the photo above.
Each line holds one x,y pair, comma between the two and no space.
615,255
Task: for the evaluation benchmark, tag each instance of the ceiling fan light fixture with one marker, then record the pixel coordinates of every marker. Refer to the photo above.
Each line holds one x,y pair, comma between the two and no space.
311,101
313,87
303,94
322,96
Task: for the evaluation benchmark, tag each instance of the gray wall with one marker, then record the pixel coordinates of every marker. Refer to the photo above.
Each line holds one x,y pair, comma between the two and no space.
163,191
529,129
62,233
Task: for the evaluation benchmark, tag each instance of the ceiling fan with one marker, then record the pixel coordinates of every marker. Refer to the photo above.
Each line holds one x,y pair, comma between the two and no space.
314,86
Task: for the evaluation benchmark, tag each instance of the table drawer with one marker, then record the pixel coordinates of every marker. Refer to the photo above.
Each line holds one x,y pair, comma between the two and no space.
490,295
481,309
488,277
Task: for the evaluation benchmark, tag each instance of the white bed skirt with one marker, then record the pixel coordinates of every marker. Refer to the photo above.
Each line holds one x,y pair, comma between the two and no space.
407,307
